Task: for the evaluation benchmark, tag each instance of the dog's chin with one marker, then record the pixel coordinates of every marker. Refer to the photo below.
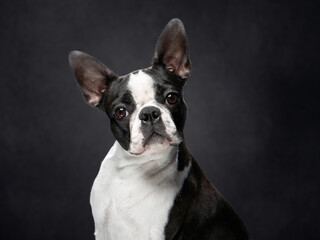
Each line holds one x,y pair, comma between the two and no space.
154,144
155,138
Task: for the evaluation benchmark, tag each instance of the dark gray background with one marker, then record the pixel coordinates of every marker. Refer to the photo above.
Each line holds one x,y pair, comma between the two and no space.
253,102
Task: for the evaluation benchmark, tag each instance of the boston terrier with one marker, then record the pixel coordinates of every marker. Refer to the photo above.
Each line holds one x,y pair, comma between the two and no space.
149,186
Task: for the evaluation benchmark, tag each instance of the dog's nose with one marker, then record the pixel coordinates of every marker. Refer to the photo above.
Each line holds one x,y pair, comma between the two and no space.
150,115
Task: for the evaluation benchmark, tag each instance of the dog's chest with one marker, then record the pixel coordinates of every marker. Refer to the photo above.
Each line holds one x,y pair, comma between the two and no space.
133,206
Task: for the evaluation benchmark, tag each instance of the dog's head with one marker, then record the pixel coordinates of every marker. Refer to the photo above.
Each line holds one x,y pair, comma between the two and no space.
146,108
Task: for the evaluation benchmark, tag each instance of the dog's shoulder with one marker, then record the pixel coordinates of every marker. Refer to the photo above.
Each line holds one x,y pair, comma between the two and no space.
200,212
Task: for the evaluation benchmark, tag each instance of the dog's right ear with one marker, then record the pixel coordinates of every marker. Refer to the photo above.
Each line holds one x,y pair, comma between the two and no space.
92,76
172,50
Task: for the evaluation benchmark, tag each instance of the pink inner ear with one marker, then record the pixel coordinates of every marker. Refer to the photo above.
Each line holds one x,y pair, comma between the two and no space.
177,63
171,63
92,99
170,68
184,72
102,90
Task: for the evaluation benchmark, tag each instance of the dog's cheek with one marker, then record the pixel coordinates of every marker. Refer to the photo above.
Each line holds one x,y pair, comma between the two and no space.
170,126
179,115
121,133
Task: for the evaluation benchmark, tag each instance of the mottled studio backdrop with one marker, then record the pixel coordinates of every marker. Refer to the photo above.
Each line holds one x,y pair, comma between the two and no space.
253,103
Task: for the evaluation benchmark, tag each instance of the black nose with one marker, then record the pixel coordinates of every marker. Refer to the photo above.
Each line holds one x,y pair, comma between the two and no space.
150,115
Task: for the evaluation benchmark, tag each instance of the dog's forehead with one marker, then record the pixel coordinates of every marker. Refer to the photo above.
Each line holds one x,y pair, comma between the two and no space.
142,87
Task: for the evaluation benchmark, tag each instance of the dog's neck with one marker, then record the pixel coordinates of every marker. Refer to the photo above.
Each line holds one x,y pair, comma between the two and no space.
136,193
154,161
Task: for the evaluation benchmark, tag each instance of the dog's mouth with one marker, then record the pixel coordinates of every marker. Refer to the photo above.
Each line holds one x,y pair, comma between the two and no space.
156,138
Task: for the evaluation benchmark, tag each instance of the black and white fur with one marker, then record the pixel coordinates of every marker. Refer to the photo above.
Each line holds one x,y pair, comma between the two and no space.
149,186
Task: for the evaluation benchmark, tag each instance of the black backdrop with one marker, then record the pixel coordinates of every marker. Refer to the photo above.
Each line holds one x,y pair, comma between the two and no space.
253,101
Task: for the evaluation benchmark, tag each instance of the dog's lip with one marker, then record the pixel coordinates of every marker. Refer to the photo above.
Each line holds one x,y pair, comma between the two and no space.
136,154
174,144
153,135
171,144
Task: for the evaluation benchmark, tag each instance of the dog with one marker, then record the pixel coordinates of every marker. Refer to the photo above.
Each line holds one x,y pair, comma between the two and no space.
149,186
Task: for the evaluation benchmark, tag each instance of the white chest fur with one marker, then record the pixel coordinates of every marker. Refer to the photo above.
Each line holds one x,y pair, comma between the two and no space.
132,196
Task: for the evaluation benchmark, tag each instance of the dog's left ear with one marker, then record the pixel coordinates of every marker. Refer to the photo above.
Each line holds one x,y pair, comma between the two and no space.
92,76
172,50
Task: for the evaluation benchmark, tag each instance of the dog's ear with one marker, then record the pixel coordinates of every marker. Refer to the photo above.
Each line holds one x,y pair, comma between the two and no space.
92,76
172,49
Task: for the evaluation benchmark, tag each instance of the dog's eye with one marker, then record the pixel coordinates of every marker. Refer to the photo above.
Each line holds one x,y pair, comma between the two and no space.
172,98
120,113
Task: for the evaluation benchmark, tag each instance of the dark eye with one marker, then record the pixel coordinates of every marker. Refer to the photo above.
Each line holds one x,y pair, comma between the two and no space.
120,113
172,98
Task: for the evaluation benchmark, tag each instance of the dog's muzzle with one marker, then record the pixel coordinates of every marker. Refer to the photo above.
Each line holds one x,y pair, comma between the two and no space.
152,126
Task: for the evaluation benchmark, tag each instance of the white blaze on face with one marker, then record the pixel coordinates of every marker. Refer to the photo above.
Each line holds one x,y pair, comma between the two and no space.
142,89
